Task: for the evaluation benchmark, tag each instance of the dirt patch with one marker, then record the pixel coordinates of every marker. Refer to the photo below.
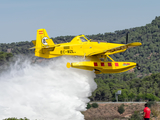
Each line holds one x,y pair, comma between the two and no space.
110,111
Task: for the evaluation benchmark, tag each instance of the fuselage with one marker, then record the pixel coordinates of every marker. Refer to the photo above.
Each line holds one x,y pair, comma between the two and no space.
78,47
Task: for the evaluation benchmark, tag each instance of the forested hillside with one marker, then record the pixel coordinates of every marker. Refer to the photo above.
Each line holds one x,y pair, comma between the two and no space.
133,89
17,48
5,57
134,85
146,55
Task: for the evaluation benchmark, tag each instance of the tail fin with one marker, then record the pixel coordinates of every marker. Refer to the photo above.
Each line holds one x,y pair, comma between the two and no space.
43,39
43,44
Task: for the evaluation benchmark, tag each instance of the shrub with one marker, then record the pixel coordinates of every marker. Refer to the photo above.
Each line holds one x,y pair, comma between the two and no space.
113,99
150,103
155,110
136,116
88,106
94,105
121,109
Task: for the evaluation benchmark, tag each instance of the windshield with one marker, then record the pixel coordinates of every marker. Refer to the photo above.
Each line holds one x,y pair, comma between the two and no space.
83,39
88,38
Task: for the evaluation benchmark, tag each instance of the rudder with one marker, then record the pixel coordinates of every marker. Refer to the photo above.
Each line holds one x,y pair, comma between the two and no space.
42,44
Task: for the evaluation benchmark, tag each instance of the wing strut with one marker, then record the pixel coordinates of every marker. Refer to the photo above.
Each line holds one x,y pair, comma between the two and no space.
110,58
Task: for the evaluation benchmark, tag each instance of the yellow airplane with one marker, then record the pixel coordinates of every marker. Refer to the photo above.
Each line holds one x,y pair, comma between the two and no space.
96,54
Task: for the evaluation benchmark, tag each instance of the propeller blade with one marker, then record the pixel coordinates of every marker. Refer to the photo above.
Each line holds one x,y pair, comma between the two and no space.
127,38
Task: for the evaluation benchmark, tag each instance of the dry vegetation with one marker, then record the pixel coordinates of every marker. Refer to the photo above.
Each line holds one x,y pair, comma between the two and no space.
155,109
109,111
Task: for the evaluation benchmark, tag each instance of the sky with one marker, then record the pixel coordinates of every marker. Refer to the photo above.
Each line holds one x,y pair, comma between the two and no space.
20,19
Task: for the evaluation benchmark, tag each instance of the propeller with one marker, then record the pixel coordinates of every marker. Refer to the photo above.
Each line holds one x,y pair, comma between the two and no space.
138,67
127,38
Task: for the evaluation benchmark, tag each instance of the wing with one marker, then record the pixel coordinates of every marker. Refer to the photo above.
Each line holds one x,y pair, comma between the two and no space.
116,49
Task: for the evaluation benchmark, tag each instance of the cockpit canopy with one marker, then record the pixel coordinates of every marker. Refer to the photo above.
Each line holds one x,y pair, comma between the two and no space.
80,38
83,39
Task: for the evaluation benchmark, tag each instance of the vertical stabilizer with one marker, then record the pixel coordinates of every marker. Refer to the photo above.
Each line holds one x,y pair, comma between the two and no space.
42,43
43,39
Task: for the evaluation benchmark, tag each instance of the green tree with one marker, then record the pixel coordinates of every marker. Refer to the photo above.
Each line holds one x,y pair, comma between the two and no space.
131,96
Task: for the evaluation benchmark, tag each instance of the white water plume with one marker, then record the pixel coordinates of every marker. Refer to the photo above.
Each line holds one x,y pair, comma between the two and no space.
46,90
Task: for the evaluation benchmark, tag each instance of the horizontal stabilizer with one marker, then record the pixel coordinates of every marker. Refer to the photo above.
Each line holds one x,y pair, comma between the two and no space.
34,42
32,47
